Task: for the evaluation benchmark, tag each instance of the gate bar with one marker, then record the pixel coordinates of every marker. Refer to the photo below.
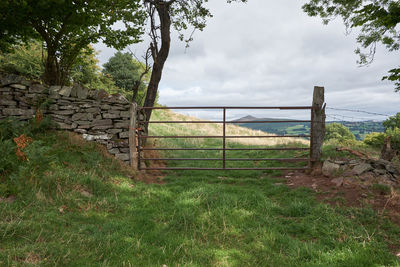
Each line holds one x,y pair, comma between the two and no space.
229,169
294,121
293,107
227,149
232,159
224,140
218,136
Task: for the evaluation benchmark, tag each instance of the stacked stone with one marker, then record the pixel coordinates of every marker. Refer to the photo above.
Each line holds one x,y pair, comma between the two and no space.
95,114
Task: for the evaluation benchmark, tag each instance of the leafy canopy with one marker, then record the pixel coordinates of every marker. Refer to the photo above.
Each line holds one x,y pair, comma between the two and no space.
392,122
27,60
339,132
125,71
67,27
376,20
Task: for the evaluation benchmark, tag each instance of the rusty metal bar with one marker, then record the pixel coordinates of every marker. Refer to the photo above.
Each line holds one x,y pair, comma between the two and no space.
217,136
294,121
139,149
224,140
311,137
228,169
293,107
232,159
227,149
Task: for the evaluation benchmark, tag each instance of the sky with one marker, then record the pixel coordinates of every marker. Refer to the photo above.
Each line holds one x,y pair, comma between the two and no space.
270,53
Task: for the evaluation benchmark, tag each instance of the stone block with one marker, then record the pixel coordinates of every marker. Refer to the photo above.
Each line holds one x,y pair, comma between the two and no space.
65,91
5,89
110,116
125,114
18,112
53,90
116,107
124,149
102,122
79,116
122,156
92,110
18,86
6,102
114,151
124,124
330,168
124,135
105,107
82,92
114,131
362,168
106,127
85,105
90,137
37,88
67,107
80,131
64,112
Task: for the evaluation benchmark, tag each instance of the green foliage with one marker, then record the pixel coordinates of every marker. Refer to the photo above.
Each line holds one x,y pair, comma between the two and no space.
11,128
395,137
27,60
67,27
125,71
392,122
375,139
377,21
339,132
24,59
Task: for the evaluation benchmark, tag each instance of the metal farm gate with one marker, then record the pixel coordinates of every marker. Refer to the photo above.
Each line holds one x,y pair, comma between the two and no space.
317,128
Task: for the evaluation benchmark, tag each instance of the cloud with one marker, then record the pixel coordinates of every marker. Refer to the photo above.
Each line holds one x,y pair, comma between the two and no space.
267,53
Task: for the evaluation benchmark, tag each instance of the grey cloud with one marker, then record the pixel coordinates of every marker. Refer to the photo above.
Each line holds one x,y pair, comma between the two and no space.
270,53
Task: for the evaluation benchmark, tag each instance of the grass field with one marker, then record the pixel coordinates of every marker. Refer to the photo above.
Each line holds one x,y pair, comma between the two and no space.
74,206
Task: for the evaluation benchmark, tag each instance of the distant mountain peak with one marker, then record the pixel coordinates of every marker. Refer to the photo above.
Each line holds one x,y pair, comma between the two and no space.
247,118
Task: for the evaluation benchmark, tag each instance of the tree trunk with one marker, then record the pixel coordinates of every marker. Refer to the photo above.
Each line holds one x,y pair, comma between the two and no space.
52,75
163,10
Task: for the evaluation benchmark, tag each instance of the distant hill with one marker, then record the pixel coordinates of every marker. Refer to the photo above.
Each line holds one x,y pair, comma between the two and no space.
358,128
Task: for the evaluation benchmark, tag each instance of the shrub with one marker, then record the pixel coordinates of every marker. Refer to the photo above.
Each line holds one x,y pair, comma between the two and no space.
395,137
375,139
339,132
392,122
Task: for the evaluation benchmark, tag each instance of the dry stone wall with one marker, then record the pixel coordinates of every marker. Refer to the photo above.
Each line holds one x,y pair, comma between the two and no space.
95,114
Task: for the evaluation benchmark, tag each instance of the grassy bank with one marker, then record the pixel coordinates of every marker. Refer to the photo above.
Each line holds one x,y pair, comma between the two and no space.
74,206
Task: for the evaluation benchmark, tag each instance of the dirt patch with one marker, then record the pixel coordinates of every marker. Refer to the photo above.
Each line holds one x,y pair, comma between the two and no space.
342,191
152,177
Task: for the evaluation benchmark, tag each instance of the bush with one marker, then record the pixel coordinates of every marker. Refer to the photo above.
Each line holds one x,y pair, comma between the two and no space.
392,122
375,139
11,128
339,132
378,139
395,137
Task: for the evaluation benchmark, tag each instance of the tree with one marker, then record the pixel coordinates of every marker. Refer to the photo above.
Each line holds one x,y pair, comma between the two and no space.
377,21
27,60
126,73
392,122
339,132
67,27
162,15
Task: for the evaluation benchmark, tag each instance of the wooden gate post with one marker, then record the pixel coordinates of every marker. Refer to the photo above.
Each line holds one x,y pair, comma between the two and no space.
317,125
133,152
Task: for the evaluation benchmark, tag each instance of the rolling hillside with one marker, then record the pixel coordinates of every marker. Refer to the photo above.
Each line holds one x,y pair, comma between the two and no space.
358,128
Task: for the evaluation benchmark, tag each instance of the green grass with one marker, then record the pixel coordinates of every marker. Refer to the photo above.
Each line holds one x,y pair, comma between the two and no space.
75,207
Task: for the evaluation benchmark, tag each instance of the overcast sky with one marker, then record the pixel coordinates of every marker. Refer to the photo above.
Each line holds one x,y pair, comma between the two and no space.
270,53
